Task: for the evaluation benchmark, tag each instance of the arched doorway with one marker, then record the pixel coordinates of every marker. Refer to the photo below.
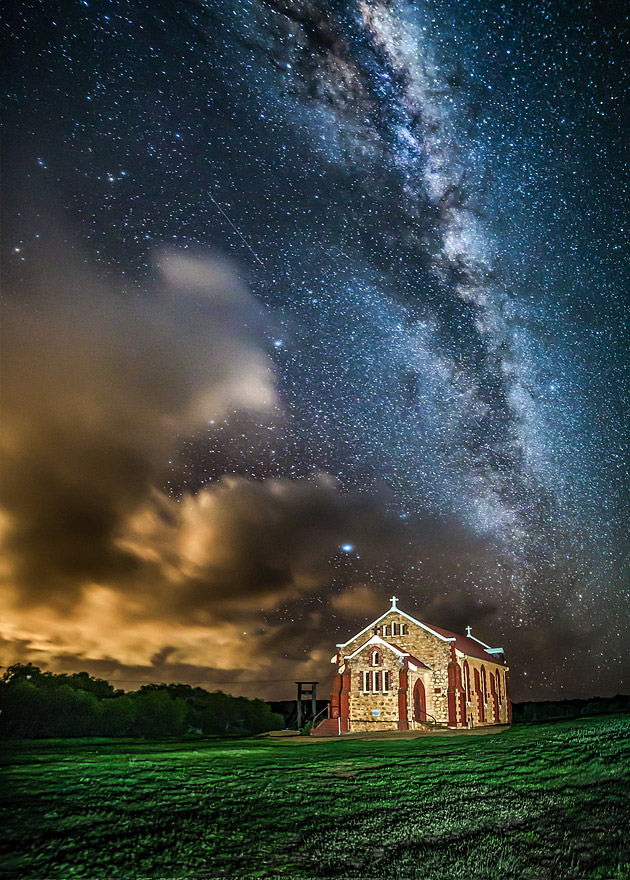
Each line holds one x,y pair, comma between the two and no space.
419,702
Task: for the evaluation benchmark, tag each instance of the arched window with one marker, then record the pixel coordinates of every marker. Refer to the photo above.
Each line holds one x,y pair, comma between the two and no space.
499,686
484,693
467,680
479,692
375,658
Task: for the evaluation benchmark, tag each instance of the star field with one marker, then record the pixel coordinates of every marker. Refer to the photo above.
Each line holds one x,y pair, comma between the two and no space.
429,202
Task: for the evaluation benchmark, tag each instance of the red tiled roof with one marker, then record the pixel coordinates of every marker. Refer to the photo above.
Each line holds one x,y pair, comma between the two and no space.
417,662
465,644
410,657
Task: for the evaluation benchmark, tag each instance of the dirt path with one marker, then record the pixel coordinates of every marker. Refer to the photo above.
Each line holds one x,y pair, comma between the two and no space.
291,738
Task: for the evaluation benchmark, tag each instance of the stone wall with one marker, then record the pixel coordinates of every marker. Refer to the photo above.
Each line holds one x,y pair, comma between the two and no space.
424,645
429,648
364,703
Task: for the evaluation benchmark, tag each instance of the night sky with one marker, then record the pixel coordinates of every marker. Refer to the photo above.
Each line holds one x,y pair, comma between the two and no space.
307,304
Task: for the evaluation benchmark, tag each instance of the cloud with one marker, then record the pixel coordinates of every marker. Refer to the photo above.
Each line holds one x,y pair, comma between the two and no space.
361,596
242,544
98,390
103,570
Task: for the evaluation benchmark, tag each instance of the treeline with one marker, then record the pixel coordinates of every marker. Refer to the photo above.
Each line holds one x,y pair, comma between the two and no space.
554,710
42,704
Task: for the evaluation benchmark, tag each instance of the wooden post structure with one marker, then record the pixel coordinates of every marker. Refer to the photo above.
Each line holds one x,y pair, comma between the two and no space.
306,689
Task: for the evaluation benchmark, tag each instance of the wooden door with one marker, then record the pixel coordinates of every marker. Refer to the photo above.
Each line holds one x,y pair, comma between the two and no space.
419,702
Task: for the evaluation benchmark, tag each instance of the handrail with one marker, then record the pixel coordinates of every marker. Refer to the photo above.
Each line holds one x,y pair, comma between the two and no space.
315,717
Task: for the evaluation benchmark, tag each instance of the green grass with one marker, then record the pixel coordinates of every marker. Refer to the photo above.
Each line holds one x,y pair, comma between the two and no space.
539,801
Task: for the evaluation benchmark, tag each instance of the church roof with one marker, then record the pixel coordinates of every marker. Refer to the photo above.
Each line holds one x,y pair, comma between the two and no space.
377,640
468,645
394,607
420,663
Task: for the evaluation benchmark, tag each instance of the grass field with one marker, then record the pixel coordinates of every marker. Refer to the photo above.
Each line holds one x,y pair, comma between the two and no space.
544,801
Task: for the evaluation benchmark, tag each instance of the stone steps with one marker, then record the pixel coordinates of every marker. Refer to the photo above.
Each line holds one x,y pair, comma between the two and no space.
328,727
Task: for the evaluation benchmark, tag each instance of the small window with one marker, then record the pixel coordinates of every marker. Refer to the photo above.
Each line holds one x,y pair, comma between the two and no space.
403,629
394,629
386,684
377,681
385,630
375,658
368,681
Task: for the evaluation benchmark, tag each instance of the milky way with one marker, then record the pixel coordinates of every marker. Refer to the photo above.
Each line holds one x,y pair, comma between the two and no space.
429,201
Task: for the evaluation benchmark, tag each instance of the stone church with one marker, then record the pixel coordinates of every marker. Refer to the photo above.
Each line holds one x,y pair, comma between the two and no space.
399,673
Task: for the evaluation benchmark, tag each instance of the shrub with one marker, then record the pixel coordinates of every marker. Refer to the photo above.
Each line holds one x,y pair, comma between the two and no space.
115,717
157,714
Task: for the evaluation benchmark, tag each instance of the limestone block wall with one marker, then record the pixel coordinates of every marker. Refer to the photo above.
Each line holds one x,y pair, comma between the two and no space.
364,703
436,692
433,651
435,704
429,648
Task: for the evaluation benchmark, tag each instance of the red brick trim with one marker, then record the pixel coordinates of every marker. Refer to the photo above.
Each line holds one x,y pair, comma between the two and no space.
455,692
344,700
481,715
335,695
403,716
495,698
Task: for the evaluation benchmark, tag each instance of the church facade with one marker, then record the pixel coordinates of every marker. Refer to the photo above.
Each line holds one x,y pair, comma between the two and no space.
399,673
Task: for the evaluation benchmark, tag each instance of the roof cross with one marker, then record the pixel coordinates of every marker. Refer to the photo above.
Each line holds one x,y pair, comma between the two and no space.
393,600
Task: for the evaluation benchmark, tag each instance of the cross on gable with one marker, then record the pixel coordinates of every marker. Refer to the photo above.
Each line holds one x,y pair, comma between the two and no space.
393,600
